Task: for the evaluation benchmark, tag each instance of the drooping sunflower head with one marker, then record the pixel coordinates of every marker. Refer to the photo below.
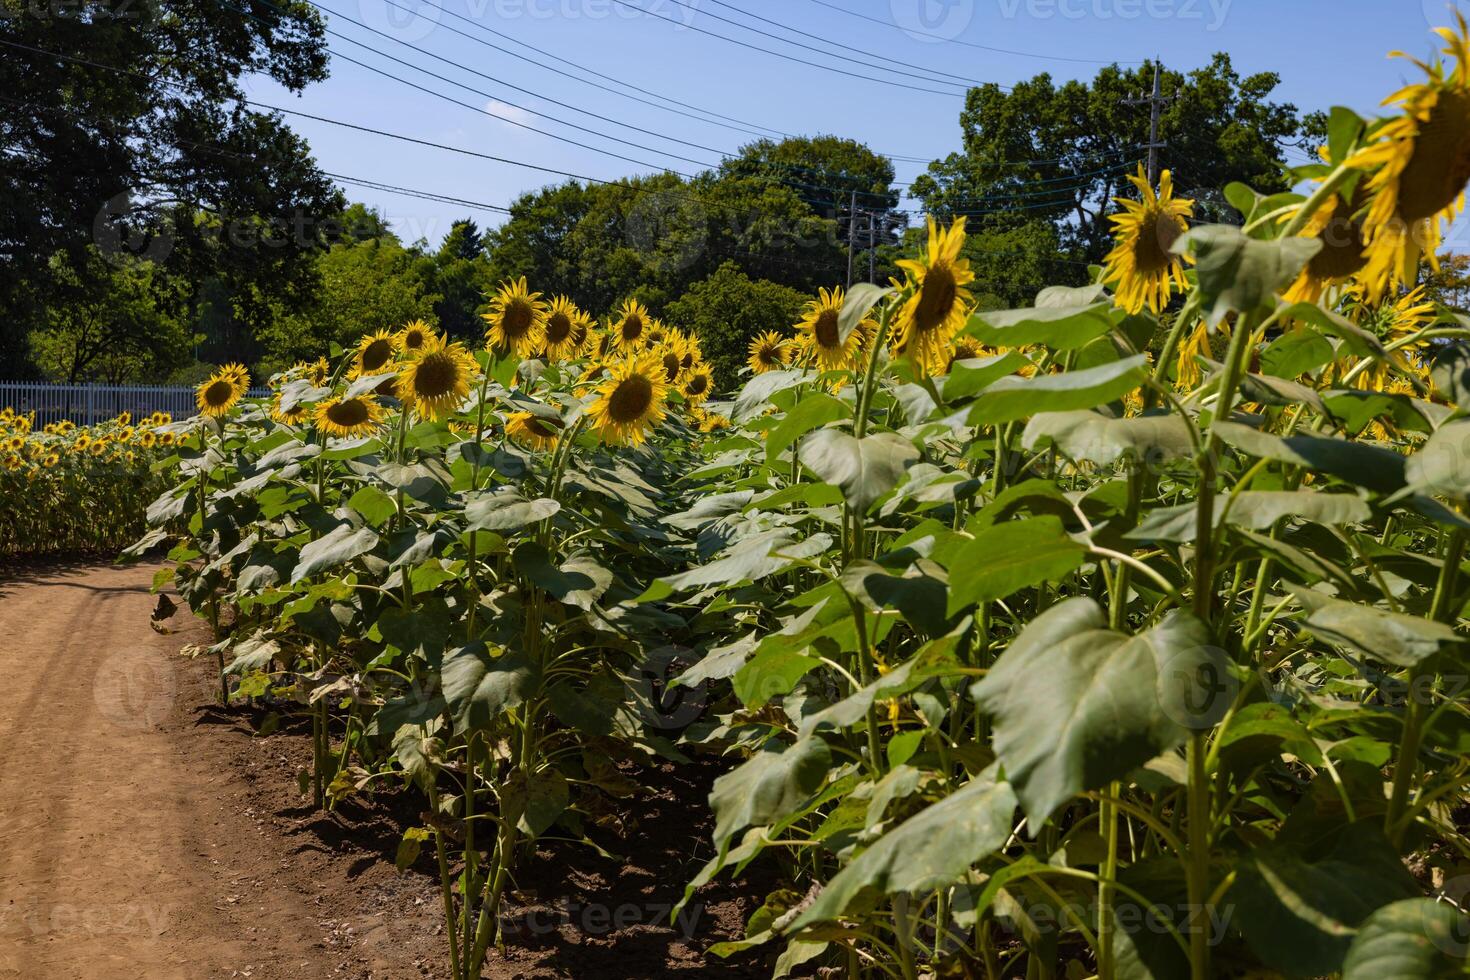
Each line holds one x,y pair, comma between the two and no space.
1142,268
1422,164
631,399
769,351
436,382
820,332
532,431
698,384
374,355
517,320
566,329
349,418
631,326
221,390
414,337
939,303
1342,254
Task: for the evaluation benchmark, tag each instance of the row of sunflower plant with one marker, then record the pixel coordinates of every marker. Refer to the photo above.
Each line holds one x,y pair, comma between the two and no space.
1120,635
70,488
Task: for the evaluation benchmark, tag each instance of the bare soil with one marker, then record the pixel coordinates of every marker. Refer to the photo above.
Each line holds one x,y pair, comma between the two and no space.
147,832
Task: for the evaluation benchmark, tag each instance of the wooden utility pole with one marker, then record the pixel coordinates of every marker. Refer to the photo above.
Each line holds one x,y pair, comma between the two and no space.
851,235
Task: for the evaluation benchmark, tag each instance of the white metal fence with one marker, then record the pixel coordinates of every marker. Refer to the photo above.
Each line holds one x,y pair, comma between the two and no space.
88,404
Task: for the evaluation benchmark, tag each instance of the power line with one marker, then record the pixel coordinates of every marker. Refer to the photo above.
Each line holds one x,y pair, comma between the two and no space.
972,44
787,57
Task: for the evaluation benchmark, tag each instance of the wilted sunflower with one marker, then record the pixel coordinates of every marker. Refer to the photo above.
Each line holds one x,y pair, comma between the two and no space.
414,337
768,351
1141,268
532,431
1341,256
566,329
697,385
219,393
820,334
347,418
374,354
437,382
630,326
940,303
1423,163
630,400
517,320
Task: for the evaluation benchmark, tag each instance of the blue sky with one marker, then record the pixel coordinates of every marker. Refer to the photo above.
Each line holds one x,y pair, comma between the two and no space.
1327,52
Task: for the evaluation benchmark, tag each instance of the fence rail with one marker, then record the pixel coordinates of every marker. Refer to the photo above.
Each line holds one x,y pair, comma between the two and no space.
88,404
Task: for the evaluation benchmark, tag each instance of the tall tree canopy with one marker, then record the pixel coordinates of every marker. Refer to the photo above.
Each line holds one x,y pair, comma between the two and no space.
160,161
1059,153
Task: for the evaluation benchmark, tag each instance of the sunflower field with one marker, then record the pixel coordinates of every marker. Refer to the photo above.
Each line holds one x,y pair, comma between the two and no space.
1121,635
67,488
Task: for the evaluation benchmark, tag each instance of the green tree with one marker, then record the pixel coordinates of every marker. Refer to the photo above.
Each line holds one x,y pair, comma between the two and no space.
727,310
1059,153
159,159
461,278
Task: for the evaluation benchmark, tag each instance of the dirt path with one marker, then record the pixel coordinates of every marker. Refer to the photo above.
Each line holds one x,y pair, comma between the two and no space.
132,844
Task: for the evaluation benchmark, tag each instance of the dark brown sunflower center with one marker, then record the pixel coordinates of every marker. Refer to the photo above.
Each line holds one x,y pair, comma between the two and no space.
413,340
937,298
672,366
826,330
1342,247
349,413
697,385
769,354
515,320
558,328
632,327
1440,165
631,399
218,394
376,354
435,376
1156,235
539,429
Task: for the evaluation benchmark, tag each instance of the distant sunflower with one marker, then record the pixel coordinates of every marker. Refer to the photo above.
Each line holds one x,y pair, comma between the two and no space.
1141,267
348,418
295,415
1204,341
710,421
414,337
630,326
820,334
630,400
939,304
319,372
81,443
692,353
697,385
566,329
437,382
600,344
1391,321
658,332
517,320
671,356
1341,256
532,431
768,351
167,438
50,460
148,439
219,393
374,354
1422,159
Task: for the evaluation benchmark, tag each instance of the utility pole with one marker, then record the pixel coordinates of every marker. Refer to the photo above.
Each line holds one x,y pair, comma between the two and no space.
851,235
872,246
1156,103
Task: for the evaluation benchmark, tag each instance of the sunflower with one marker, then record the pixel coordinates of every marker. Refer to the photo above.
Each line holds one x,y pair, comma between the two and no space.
1141,265
219,393
600,344
347,418
517,320
566,329
1391,322
697,385
658,333
148,439
768,351
532,431
630,400
167,439
710,421
374,355
1341,256
437,382
50,460
414,337
319,372
295,415
820,336
671,356
693,355
1422,159
939,303
15,443
1202,342
124,418
630,326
